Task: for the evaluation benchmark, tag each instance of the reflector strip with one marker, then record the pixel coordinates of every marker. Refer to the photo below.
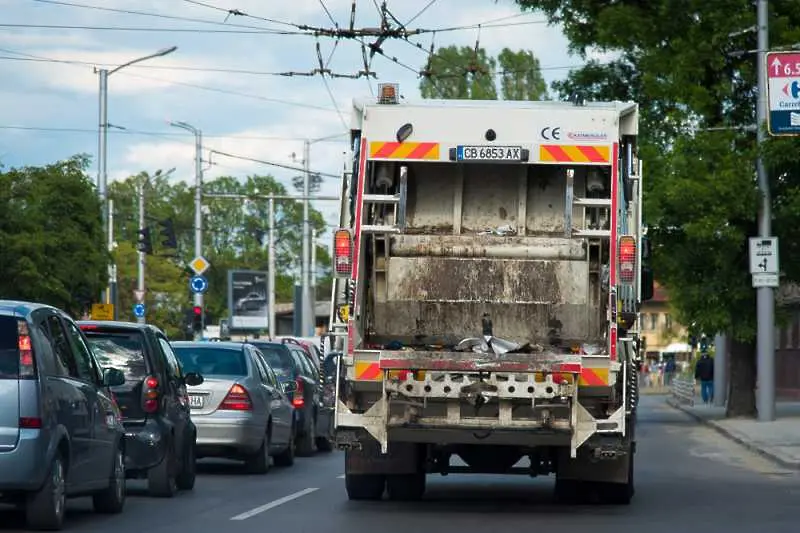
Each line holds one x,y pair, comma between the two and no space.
558,153
594,377
405,150
367,371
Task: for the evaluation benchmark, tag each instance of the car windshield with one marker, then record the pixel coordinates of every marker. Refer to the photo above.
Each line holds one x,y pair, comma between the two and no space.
278,358
9,348
119,349
209,362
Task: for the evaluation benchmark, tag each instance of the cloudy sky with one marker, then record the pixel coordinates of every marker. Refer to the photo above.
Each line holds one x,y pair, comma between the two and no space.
222,78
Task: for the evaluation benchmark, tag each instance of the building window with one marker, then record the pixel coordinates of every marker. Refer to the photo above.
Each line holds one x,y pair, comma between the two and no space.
654,321
667,322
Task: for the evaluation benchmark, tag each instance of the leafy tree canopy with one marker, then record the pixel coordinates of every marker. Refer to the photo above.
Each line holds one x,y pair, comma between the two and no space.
51,237
471,74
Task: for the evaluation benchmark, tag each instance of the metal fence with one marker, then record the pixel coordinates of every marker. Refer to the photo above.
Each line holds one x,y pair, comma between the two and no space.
683,390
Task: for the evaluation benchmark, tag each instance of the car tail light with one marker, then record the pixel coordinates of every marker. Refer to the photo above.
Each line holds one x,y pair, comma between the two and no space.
150,395
238,399
29,422
298,398
627,259
342,254
27,363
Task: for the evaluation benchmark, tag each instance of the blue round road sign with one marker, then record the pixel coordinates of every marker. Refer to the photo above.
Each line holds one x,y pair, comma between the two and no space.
198,284
138,310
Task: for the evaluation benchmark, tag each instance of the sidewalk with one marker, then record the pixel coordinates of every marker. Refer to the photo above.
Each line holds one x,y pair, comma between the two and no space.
778,441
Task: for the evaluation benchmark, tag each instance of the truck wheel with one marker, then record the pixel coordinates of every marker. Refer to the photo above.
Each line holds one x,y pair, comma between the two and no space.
569,491
406,487
364,486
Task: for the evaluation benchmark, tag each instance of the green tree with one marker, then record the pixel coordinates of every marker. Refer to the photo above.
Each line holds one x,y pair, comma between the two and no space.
521,76
464,73
51,239
696,89
235,236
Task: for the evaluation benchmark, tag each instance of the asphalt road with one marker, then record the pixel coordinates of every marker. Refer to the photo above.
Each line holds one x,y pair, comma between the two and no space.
689,479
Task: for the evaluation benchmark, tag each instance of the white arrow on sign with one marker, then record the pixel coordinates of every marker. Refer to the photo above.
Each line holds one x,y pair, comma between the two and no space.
776,64
139,296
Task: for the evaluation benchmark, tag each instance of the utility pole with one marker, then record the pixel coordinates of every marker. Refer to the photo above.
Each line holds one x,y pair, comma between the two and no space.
198,206
140,284
271,271
112,296
102,174
765,296
102,157
307,305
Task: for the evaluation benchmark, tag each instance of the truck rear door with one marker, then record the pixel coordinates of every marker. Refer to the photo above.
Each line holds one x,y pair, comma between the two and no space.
9,383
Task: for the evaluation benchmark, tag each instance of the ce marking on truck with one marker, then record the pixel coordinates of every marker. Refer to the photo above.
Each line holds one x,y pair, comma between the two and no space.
549,133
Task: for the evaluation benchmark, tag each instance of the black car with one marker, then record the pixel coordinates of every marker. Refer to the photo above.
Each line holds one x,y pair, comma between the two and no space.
314,418
160,437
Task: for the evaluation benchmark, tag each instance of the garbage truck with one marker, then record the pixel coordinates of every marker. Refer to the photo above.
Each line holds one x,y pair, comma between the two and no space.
488,272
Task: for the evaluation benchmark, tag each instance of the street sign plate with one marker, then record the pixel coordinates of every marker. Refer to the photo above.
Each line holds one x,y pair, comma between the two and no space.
102,312
138,296
199,265
764,255
138,310
783,93
765,280
198,284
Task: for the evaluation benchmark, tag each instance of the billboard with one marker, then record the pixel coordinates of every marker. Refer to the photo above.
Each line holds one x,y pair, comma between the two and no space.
248,292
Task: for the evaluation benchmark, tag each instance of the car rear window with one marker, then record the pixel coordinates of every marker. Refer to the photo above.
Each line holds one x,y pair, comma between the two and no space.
212,361
9,348
279,358
119,349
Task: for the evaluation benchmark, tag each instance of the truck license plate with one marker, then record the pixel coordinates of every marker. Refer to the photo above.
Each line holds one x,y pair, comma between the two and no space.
195,401
489,153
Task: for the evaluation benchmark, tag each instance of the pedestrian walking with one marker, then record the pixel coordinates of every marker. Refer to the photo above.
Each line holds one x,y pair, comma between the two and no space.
704,371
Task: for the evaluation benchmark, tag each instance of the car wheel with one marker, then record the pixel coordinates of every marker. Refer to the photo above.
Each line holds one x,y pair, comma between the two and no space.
286,457
188,475
111,500
45,508
161,479
259,462
307,442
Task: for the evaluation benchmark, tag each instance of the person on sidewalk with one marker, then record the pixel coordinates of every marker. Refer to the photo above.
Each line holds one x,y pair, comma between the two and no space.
704,371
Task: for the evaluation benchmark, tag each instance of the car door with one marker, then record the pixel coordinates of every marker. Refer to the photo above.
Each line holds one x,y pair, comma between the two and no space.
259,380
103,429
178,408
281,417
70,399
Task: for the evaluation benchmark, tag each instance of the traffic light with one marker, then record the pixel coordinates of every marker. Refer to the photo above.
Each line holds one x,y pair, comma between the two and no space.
197,318
168,233
145,244
704,343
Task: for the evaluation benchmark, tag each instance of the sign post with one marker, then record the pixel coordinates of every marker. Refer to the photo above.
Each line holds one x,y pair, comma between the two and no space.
783,90
764,264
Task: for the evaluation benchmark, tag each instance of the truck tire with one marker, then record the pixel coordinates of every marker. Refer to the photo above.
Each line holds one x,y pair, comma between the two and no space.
365,486
405,487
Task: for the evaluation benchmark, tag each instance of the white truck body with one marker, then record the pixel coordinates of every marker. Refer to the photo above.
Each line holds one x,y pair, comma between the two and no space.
470,219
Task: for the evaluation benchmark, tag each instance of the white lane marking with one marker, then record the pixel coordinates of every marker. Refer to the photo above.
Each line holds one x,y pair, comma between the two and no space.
275,503
340,477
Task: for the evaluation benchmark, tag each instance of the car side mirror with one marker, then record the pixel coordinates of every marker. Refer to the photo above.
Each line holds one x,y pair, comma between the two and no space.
193,379
289,386
113,377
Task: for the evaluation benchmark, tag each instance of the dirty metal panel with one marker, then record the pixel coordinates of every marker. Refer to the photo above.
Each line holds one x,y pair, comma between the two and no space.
479,362
433,279
431,197
490,197
488,246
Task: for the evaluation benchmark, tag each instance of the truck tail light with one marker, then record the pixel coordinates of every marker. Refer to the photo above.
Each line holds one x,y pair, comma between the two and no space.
342,253
627,259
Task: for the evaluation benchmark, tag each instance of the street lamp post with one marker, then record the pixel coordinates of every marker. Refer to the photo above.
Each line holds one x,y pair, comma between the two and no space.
102,161
198,203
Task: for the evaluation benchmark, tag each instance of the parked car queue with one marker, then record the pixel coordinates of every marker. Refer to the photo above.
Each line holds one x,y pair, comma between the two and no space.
85,405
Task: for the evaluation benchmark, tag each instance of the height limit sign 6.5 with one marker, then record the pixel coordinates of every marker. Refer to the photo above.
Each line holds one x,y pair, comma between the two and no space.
764,265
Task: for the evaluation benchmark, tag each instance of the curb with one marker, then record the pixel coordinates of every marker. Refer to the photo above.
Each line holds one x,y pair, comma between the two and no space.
783,463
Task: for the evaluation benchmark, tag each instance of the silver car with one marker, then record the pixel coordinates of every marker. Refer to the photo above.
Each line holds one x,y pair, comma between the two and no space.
241,410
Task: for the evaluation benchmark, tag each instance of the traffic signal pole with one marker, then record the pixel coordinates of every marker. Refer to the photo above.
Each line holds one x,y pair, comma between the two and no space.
140,283
198,216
